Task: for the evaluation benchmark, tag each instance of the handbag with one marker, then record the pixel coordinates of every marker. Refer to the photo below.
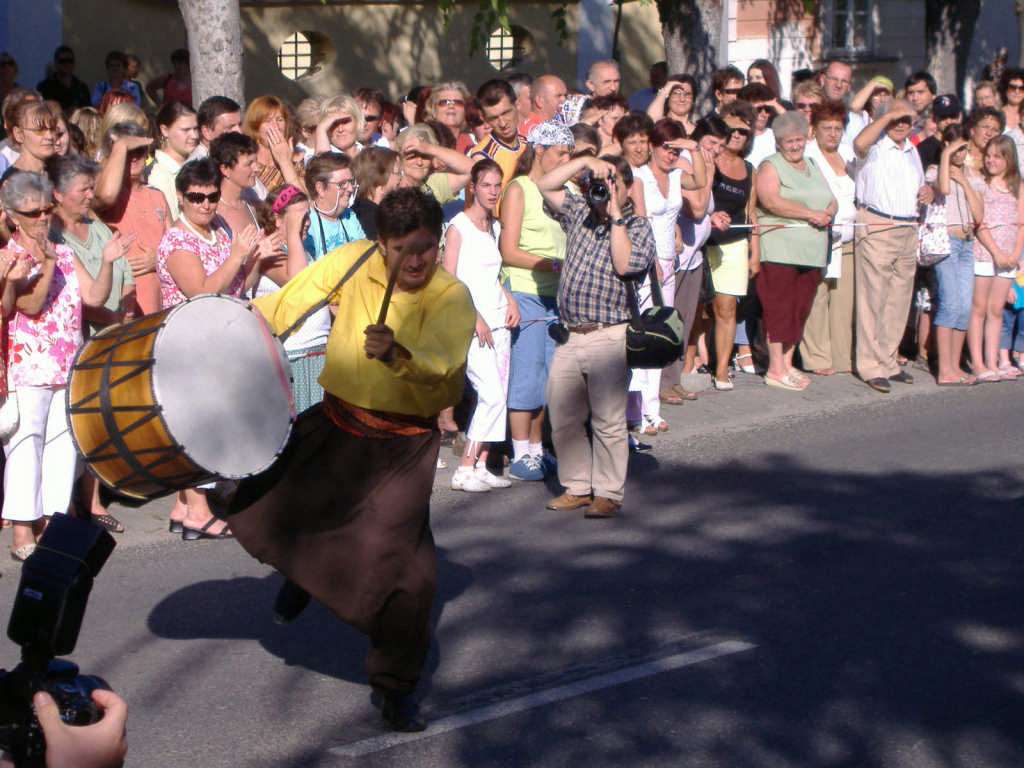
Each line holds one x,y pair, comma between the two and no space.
933,235
654,337
707,286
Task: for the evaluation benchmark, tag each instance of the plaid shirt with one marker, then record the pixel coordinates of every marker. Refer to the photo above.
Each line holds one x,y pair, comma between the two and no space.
589,290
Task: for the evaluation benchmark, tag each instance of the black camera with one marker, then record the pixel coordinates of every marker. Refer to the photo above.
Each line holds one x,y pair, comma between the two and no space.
597,192
47,616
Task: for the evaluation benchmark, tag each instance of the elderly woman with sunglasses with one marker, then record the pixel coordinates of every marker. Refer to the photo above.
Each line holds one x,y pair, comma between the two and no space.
197,256
45,333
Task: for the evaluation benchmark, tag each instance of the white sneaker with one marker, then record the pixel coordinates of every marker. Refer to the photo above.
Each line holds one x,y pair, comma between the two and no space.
464,479
492,480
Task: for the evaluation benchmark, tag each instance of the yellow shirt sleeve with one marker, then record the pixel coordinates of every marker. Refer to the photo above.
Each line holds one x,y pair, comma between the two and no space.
435,324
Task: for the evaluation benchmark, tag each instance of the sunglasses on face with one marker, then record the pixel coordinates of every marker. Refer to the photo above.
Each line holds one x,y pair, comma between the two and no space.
680,93
764,108
1015,87
731,91
344,120
36,212
905,120
370,118
451,103
671,151
741,131
806,104
197,198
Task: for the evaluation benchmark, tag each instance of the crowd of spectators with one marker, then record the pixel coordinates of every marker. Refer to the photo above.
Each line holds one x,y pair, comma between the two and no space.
862,230
858,228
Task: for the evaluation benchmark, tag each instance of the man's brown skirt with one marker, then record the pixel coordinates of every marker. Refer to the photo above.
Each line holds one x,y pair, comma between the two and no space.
346,518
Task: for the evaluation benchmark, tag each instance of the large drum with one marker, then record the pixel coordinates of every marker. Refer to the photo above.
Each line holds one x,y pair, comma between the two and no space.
180,397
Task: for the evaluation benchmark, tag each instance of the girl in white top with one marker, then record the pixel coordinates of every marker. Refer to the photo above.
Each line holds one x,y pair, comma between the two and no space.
471,254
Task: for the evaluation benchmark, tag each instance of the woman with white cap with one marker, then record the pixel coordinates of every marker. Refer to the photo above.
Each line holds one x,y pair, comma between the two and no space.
532,249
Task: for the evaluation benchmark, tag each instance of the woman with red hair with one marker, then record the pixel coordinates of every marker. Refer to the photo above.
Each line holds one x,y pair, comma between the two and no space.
267,121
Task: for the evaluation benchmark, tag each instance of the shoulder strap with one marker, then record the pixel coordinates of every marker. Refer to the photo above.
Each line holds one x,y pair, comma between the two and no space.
323,302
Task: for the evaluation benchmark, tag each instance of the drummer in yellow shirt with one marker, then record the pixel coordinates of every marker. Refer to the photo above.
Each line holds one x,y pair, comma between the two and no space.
344,512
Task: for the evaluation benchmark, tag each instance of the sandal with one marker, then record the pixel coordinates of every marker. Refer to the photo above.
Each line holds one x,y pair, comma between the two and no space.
194,534
22,553
108,523
749,367
684,393
789,381
987,377
1008,371
669,397
722,386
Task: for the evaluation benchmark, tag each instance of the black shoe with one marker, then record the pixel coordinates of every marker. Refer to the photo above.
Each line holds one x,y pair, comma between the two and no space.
902,378
291,600
402,713
879,384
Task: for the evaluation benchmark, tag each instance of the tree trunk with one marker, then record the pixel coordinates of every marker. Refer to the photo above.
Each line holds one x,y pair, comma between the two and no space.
949,30
692,30
1019,6
215,48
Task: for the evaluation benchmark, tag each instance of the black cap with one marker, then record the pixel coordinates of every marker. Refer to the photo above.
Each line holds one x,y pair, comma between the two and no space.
946,105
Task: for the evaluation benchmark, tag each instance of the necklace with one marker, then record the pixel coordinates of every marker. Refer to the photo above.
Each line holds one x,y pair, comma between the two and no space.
211,240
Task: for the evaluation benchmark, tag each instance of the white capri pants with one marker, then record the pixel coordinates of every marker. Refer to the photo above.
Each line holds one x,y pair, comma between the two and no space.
41,457
487,370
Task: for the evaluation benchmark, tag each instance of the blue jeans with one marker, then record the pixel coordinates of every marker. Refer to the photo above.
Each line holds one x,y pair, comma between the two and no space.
955,277
1007,338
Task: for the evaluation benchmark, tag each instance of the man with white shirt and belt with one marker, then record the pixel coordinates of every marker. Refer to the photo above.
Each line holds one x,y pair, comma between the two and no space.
890,188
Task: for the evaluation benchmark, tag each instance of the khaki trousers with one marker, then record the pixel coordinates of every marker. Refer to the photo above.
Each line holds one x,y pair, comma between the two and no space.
885,257
828,332
587,380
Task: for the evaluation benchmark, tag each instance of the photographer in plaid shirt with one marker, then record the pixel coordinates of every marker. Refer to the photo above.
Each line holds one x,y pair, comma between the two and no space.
606,244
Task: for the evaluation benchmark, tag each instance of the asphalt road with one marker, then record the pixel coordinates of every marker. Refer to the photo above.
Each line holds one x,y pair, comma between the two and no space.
830,578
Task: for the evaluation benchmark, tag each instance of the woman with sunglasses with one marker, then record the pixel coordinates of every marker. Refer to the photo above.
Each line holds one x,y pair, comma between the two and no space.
1011,90
733,249
447,104
45,333
197,256
33,134
664,178
676,100
331,186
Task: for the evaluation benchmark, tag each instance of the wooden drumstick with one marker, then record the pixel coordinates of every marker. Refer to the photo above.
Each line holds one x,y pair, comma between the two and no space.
392,279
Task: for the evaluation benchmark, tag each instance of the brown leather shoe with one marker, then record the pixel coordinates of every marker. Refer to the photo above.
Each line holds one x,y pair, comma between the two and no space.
602,507
567,501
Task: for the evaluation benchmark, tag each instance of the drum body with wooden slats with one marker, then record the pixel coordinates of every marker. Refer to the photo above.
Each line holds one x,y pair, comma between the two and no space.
180,397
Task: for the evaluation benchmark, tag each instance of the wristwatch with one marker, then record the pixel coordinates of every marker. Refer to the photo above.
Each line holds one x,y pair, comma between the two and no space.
619,222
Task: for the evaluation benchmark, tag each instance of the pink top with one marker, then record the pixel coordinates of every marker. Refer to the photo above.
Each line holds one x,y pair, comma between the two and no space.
1000,208
42,347
211,256
141,210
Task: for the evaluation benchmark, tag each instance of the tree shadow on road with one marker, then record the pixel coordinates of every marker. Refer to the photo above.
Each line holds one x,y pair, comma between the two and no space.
886,610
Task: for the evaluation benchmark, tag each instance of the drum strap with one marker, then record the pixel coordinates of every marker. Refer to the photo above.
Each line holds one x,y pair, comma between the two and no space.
323,302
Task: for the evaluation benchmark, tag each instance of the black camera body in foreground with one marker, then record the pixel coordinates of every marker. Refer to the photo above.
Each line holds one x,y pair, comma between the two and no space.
47,616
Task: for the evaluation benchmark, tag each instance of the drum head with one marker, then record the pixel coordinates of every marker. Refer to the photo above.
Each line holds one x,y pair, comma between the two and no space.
222,381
